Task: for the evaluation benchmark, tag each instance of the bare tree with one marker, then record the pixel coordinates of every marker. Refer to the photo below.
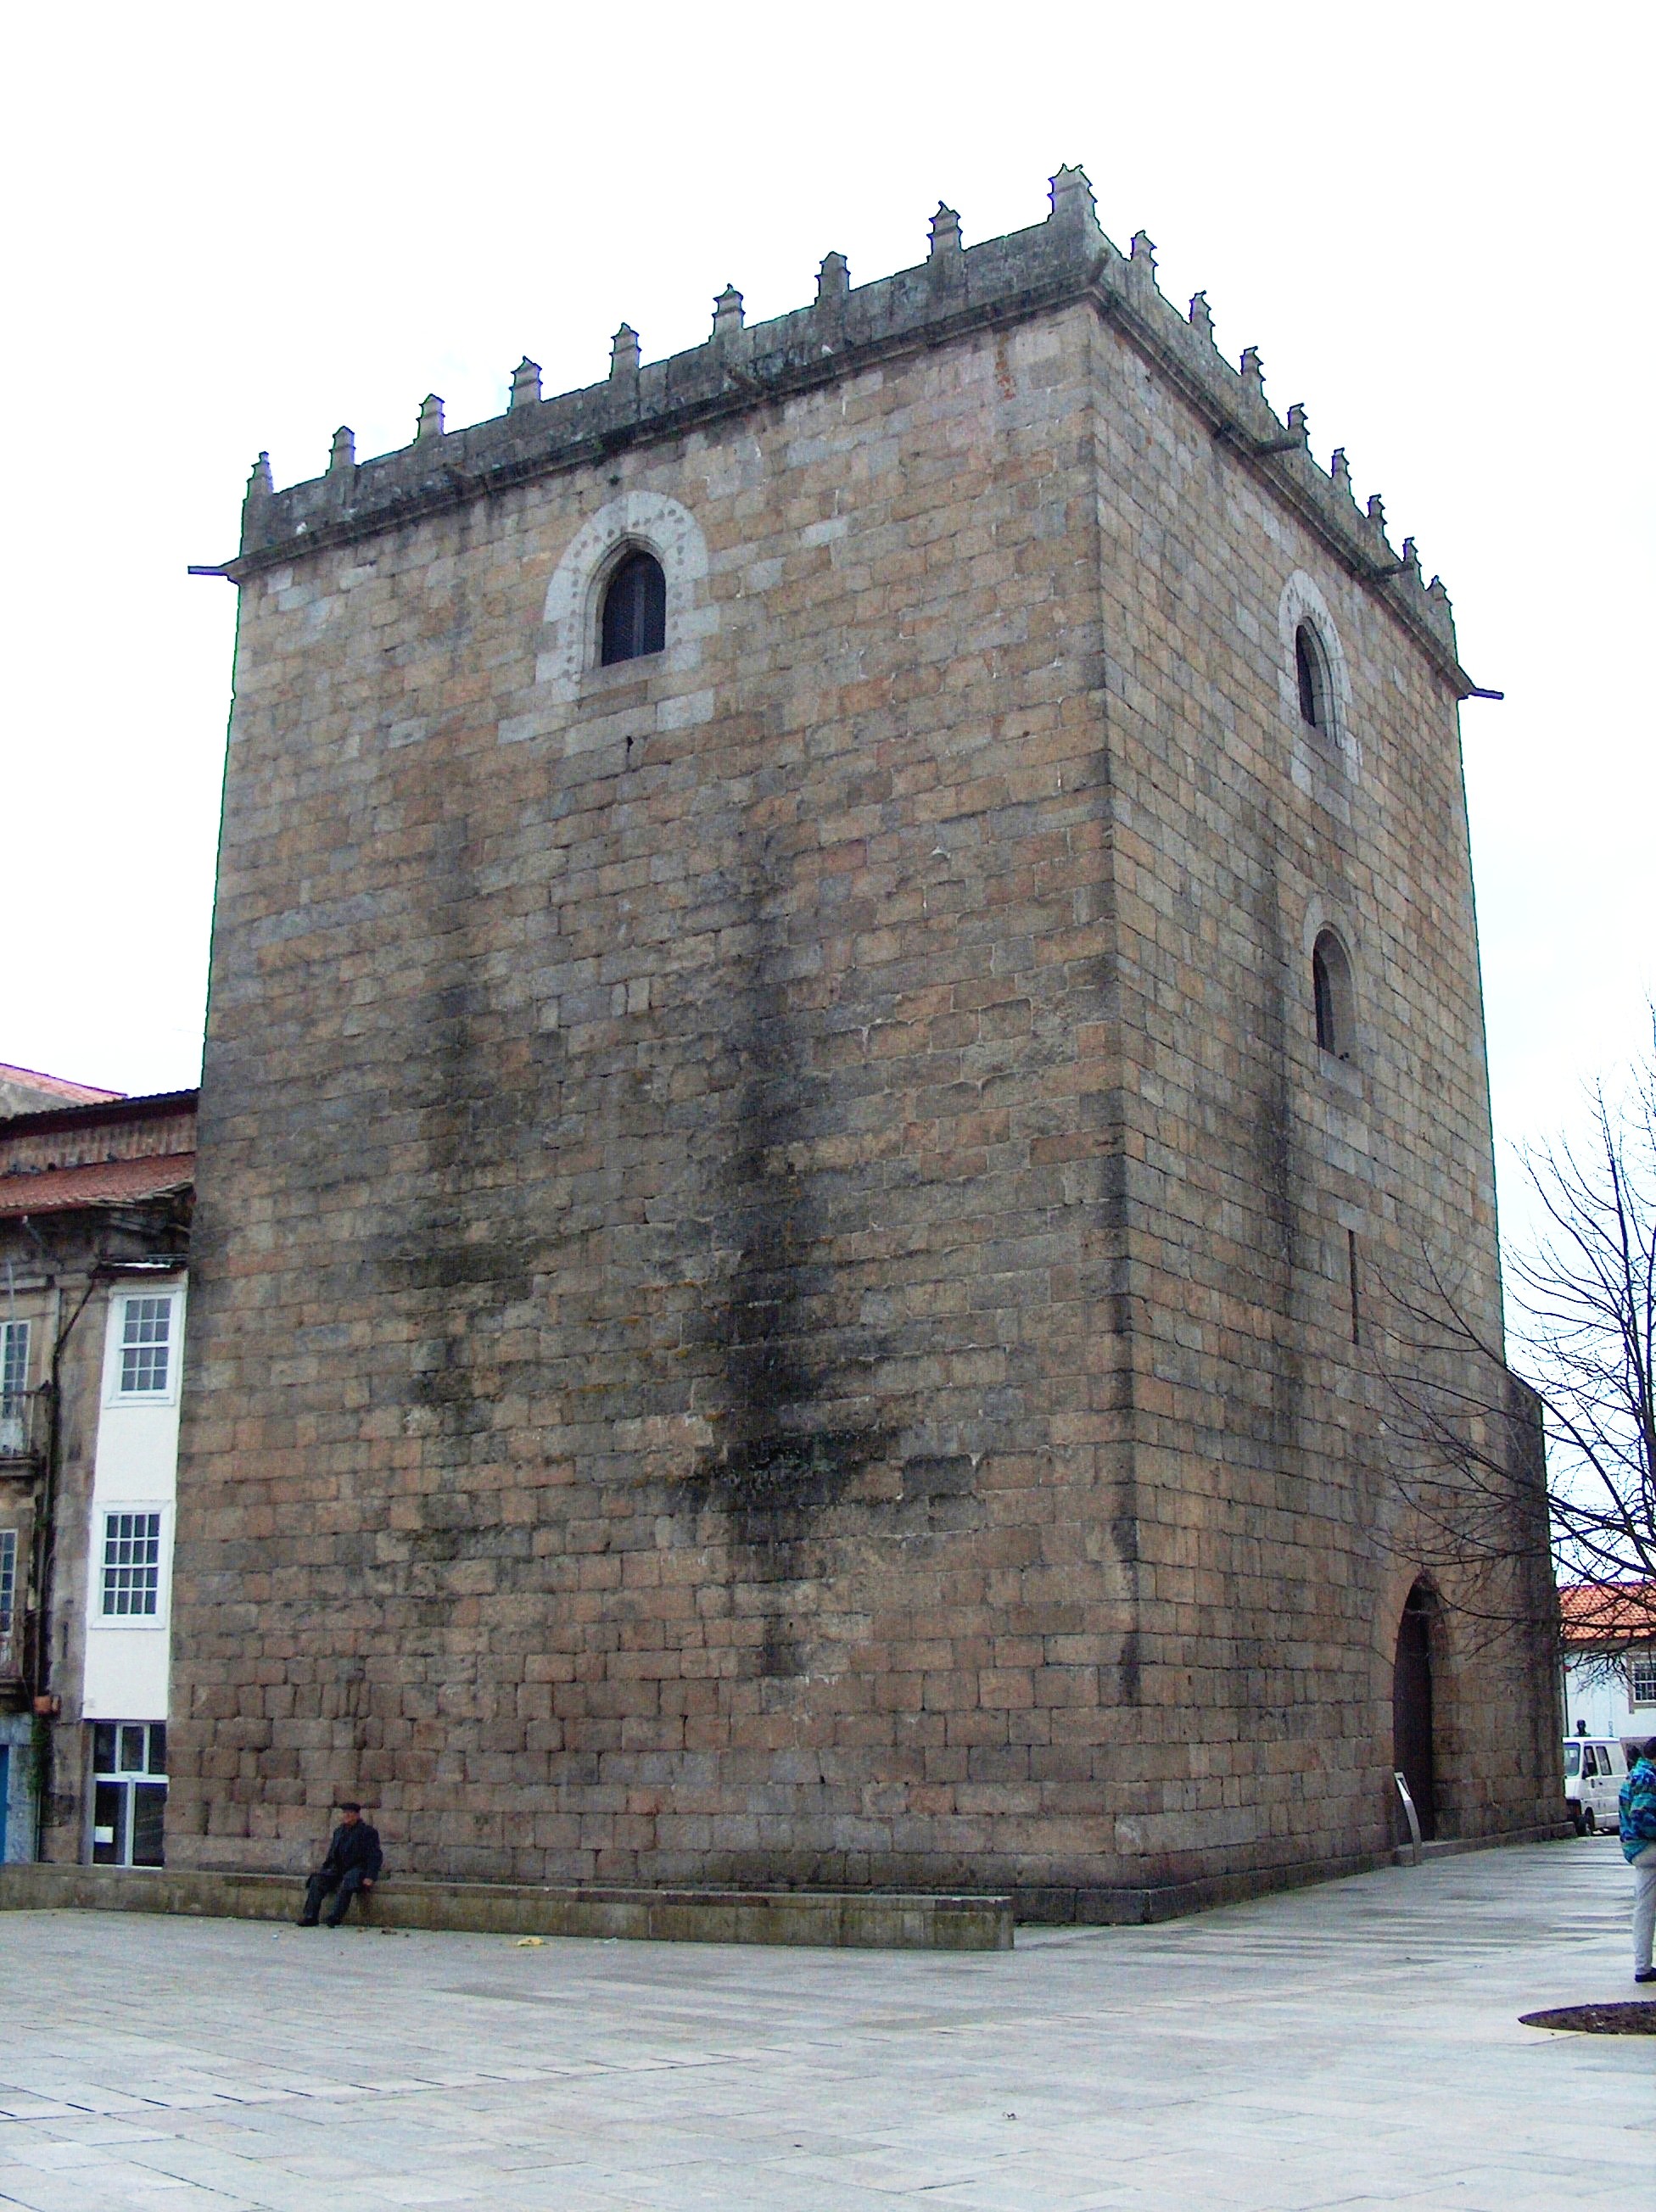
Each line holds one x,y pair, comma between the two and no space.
1588,1295
1583,1325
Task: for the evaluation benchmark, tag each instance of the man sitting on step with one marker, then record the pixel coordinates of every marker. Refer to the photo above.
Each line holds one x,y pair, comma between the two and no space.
353,1862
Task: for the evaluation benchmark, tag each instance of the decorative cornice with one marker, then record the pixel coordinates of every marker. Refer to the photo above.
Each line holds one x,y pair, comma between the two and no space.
1062,262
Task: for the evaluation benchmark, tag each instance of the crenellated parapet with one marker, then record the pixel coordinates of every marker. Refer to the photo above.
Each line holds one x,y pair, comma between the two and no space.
1066,259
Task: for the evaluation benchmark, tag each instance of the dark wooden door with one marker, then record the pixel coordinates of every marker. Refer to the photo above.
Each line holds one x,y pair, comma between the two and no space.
1411,1708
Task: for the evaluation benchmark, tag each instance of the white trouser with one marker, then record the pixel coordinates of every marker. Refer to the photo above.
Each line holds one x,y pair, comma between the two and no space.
1644,1907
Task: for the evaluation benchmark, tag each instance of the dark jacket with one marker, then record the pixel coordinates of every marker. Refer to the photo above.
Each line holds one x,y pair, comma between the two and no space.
355,1845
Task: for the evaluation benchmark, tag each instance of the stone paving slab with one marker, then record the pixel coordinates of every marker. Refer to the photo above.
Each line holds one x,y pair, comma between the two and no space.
1355,2046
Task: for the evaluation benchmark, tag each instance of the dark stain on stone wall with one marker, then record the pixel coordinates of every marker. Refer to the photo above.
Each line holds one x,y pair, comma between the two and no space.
787,1353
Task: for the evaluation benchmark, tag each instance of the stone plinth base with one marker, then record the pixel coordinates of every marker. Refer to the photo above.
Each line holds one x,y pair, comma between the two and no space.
683,1916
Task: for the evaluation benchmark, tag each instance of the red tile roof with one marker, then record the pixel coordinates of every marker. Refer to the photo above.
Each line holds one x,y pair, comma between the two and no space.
54,1086
109,1182
1606,1613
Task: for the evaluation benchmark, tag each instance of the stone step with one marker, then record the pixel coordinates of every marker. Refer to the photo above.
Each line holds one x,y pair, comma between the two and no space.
848,1919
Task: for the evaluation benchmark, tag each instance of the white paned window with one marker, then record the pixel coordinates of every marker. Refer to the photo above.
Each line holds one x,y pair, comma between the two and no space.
14,1424
131,1565
7,1579
1641,1678
13,1359
146,1347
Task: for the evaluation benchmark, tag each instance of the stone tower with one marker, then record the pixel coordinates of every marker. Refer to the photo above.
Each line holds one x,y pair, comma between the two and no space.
838,961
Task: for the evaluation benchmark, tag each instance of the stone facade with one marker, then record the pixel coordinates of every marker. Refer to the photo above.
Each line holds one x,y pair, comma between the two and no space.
777,1265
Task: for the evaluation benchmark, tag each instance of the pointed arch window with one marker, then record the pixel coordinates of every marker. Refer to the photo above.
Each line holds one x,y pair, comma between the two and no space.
1332,995
635,620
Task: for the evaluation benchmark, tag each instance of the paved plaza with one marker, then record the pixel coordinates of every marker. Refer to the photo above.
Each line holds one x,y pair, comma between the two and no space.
1354,2046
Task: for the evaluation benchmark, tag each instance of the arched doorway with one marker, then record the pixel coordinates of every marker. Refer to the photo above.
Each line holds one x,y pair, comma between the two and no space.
1411,1707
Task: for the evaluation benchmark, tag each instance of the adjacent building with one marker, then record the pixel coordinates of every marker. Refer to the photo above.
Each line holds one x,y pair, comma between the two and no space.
25,1090
1609,1661
95,1198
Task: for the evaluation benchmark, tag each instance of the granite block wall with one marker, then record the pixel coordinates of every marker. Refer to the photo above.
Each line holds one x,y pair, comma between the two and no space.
772,1284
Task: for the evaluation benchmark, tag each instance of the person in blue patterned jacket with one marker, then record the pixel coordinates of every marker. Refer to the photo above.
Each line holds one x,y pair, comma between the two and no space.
1637,1809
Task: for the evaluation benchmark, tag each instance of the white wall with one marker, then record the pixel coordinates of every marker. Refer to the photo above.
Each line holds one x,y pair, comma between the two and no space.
1598,1695
135,1469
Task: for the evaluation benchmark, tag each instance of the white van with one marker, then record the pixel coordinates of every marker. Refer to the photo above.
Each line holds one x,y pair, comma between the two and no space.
1594,1770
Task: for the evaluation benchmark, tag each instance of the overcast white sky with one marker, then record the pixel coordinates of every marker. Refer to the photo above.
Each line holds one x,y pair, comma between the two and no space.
232,228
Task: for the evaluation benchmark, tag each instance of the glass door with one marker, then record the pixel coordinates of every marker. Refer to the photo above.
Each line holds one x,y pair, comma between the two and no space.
129,1793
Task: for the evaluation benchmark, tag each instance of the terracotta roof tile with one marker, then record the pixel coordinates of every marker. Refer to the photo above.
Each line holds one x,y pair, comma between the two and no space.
109,1182
1596,1613
56,1087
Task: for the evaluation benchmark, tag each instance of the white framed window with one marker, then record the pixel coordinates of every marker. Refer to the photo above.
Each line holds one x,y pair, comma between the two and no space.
13,1359
130,1565
146,1347
1641,1678
8,1581
15,1427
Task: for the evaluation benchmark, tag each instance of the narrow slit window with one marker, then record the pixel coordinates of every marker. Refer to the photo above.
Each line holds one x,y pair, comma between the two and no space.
1312,672
1331,995
1351,1273
1323,993
634,611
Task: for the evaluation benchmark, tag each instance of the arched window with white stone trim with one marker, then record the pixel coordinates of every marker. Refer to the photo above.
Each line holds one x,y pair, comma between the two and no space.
630,586
1314,678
